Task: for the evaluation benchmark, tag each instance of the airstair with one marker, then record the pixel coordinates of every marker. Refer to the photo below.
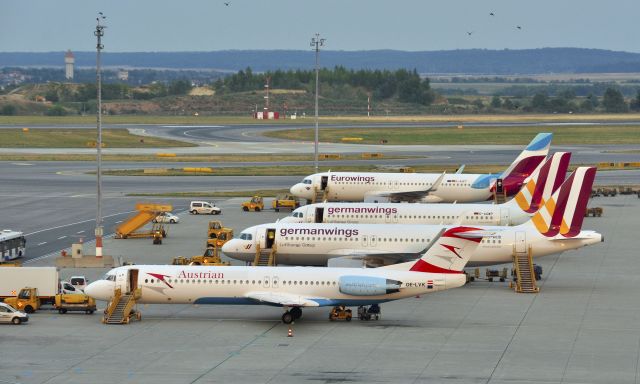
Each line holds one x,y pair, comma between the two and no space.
499,198
319,196
524,270
265,257
146,213
120,309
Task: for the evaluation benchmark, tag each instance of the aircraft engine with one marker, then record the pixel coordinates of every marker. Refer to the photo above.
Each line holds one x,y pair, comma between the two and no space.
368,286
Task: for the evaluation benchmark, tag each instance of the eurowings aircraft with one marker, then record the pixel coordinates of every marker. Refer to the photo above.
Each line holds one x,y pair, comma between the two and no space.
423,187
438,269
543,182
555,228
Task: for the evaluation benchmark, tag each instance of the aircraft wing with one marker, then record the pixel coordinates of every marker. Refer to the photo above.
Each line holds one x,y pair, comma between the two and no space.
410,196
283,299
357,258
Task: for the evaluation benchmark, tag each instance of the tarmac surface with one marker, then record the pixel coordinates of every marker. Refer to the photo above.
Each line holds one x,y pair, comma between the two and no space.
583,327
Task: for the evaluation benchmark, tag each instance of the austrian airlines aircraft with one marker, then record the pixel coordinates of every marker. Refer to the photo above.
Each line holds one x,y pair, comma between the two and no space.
423,187
555,228
537,190
438,269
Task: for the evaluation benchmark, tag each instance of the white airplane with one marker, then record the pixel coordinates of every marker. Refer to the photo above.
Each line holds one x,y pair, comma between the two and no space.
438,269
555,228
546,179
424,187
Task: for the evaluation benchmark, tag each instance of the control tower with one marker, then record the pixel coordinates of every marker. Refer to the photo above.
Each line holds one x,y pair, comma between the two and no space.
69,61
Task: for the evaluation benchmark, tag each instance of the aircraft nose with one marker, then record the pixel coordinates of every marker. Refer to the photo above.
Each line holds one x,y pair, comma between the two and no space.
100,290
294,190
229,246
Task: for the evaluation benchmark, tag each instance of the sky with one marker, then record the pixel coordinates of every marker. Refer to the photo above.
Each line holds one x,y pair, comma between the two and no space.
351,25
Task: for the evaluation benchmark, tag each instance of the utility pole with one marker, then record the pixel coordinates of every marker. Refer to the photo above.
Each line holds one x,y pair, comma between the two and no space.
317,42
99,32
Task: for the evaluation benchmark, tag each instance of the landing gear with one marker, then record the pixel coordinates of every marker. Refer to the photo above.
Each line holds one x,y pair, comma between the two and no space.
296,312
292,315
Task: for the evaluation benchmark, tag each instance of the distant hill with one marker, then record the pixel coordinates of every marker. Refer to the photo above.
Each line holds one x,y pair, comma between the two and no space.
468,61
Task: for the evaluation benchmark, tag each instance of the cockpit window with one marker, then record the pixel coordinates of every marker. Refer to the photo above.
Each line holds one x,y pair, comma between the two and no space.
297,214
306,181
109,277
246,236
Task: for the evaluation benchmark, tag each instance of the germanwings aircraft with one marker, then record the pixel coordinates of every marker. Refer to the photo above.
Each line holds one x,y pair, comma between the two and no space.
555,228
537,190
423,187
438,269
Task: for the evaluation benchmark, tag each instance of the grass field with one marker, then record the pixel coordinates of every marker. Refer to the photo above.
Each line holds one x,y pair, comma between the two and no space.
195,120
181,158
79,138
302,171
563,134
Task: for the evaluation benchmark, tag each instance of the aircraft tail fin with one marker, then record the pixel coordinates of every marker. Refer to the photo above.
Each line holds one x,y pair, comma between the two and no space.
563,213
449,252
542,183
526,163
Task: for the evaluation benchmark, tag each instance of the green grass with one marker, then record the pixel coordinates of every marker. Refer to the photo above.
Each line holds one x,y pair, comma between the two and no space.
301,171
578,134
78,138
180,158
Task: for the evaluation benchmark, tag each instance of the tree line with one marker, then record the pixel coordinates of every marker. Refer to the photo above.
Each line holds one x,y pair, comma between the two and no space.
405,85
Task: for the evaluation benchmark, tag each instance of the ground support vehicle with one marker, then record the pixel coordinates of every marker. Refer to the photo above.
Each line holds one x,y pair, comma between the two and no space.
217,234
166,217
75,302
286,201
12,245
146,214
8,314
373,312
340,313
211,256
204,207
28,288
595,211
256,204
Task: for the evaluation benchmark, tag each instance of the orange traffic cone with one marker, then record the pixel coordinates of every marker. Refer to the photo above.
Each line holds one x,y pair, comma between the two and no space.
290,332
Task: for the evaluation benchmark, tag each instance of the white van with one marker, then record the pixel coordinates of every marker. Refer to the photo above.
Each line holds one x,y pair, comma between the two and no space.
203,207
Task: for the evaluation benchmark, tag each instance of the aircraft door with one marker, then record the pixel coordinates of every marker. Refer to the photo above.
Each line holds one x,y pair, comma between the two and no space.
266,282
132,280
505,219
271,238
521,242
319,215
323,182
373,240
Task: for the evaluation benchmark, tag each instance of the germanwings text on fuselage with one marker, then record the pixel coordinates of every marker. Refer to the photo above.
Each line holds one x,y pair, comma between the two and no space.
319,231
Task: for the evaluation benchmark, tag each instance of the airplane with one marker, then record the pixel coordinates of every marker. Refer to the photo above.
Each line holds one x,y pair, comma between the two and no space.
545,180
440,268
423,187
555,228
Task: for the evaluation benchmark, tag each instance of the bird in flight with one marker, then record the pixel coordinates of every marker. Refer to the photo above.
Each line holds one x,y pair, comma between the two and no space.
470,33
519,27
227,4
491,14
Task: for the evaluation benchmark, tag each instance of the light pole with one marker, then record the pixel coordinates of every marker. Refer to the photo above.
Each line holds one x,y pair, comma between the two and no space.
316,42
99,32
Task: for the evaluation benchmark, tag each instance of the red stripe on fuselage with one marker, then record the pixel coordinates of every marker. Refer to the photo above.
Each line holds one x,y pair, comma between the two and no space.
423,266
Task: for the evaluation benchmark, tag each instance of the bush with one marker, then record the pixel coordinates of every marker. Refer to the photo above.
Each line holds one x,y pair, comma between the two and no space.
57,110
8,110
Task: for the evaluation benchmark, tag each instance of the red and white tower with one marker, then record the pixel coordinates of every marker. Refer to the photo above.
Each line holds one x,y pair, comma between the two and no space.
69,61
